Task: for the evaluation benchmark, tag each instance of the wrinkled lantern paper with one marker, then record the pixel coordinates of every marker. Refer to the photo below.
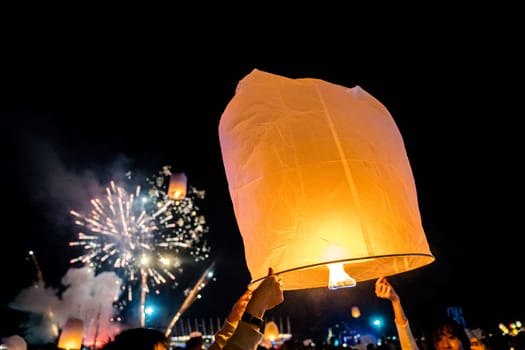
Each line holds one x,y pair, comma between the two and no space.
318,176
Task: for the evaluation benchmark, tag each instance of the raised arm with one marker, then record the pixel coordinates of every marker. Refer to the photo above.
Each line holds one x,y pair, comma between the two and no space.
266,296
231,322
384,290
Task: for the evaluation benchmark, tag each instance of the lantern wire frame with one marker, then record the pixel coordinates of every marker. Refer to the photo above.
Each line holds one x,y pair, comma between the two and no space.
347,263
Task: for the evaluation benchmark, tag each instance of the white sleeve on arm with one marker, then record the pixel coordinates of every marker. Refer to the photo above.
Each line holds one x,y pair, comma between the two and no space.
406,339
224,334
244,338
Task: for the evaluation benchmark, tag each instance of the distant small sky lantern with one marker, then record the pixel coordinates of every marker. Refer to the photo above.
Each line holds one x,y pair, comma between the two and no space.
72,334
356,313
177,187
320,182
271,332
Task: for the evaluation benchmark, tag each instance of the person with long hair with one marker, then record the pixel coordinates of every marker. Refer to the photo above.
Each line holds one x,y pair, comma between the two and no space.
444,333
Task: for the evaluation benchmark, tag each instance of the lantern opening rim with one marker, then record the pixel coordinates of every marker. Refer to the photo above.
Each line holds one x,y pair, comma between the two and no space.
305,267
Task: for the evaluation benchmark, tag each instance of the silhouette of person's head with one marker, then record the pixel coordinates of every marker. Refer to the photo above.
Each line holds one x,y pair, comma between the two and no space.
139,339
196,342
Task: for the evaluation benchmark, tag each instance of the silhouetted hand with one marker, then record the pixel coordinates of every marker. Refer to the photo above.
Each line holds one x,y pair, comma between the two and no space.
266,296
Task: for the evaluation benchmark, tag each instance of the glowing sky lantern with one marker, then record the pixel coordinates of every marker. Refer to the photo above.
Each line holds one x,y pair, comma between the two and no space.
271,332
72,334
320,183
356,313
177,186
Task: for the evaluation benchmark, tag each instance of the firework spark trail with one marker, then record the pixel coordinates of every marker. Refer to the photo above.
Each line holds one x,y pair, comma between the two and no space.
139,235
39,275
193,295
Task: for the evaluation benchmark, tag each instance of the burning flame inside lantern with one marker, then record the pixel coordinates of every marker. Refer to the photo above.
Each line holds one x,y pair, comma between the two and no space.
338,277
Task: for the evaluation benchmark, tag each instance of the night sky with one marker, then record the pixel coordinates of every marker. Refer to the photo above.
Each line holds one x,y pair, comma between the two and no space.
81,103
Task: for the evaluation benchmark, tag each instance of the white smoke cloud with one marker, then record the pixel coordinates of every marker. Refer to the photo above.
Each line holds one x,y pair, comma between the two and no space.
87,297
